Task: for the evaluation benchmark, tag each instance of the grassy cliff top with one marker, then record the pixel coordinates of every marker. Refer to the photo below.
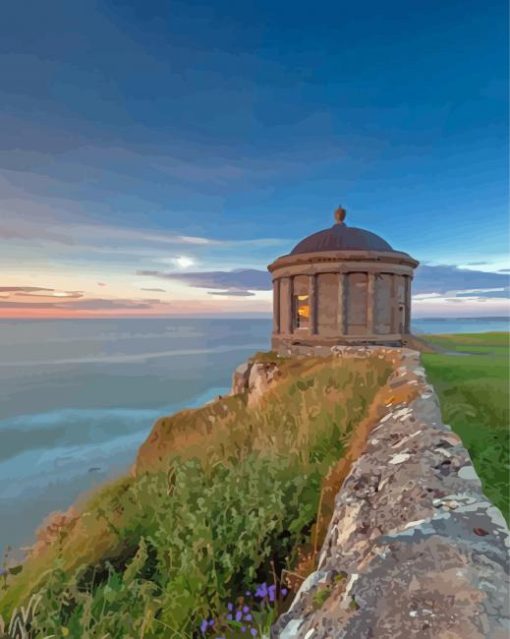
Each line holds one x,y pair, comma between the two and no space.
221,498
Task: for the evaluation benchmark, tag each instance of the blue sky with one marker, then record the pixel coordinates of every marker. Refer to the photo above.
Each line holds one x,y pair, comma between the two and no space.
189,137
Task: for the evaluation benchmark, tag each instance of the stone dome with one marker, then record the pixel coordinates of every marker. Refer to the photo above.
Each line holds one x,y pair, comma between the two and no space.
341,237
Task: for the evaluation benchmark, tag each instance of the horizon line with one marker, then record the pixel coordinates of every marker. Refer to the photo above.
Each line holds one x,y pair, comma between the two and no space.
254,315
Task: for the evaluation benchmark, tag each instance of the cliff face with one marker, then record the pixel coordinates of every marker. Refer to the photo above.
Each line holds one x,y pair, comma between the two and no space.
413,549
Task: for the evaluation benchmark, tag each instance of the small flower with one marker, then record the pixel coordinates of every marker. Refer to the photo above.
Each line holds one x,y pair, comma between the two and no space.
203,626
211,623
272,593
248,617
261,591
229,616
243,628
253,632
230,606
284,592
246,609
248,593
239,615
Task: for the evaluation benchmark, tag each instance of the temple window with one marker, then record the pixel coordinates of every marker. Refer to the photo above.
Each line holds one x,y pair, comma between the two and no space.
302,311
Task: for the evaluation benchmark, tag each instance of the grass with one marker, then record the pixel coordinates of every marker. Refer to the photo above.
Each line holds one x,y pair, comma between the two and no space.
472,380
222,498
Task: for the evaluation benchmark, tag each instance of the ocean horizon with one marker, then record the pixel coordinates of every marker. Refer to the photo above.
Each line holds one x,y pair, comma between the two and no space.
79,396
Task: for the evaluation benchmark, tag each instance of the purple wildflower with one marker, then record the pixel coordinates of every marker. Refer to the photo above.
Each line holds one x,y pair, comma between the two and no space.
246,609
272,593
203,626
211,623
243,628
230,606
253,632
248,593
248,617
284,592
229,616
261,591
239,615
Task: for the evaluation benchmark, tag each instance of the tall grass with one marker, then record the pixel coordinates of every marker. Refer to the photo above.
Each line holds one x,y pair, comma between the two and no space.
224,498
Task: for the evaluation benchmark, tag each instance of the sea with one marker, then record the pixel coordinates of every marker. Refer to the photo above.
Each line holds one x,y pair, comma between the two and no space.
78,397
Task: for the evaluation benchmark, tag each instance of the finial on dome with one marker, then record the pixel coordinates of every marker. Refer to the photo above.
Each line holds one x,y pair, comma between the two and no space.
340,214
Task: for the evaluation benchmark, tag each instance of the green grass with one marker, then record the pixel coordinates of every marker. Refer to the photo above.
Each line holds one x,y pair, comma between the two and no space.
472,380
223,499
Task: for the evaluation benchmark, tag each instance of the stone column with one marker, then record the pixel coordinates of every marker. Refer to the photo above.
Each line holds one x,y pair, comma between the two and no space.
289,328
394,304
407,326
312,301
276,306
370,303
342,306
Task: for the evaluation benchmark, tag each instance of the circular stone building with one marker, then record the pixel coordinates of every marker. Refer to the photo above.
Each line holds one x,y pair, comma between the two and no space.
342,285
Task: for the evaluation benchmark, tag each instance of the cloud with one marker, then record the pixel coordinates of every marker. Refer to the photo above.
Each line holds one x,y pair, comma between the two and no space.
86,235
155,290
239,279
233,293
98,304
428,279
23,289
24,305
447,278
58,294
101,304
490,293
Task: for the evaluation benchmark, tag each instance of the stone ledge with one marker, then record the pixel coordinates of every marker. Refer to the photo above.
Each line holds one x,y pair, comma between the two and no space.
414,549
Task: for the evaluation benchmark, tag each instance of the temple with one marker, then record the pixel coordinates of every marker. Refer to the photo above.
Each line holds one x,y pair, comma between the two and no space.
342,285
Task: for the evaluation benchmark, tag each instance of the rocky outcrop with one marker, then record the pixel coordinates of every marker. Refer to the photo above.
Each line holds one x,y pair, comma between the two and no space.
240,378
254,378
414,549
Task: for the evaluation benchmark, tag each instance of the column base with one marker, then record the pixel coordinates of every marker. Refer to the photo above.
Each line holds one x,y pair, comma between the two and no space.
294,344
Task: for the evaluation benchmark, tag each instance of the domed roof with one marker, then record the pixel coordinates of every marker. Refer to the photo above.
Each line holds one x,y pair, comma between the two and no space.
341,237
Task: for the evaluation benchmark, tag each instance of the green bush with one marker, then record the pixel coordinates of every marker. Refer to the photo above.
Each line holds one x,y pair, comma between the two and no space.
195,549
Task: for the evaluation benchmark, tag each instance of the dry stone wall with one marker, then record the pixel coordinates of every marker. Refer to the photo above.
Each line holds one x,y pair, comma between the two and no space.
414,549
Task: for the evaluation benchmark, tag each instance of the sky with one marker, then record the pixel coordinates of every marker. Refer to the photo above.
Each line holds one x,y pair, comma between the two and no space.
156,155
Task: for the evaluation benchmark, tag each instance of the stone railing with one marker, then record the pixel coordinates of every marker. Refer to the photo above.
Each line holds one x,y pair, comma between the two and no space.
414,549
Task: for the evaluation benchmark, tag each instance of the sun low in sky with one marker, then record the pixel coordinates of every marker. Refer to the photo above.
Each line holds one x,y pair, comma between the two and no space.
156,156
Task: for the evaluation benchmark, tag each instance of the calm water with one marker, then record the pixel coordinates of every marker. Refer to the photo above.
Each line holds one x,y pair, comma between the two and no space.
77,397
